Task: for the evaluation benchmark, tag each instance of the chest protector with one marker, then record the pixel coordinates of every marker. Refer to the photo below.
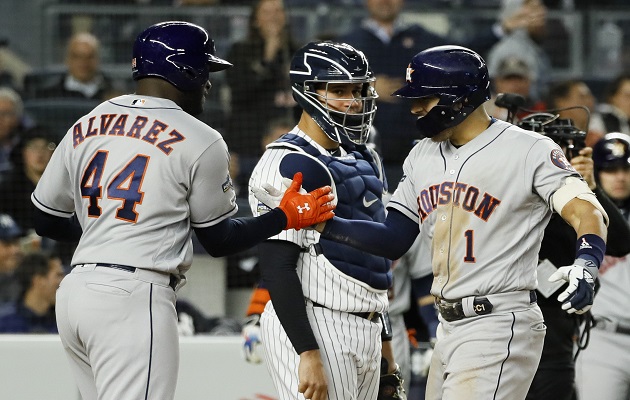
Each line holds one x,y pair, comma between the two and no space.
359,190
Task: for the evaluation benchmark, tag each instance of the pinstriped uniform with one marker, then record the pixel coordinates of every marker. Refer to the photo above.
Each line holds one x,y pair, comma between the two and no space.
350,344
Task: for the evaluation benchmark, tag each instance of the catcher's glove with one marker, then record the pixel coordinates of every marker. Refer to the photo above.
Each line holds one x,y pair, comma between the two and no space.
391,385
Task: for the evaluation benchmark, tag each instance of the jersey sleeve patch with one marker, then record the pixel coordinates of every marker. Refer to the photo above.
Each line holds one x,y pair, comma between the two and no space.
314,173
560,160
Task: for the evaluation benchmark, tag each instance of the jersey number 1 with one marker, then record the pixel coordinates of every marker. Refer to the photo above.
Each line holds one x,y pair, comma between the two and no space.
125,186
470,241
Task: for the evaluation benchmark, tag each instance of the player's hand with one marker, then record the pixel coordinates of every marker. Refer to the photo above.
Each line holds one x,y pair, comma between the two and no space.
301,209
578,296
252,346
311,376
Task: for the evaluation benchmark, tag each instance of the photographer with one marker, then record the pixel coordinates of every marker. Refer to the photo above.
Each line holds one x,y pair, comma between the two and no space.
555,377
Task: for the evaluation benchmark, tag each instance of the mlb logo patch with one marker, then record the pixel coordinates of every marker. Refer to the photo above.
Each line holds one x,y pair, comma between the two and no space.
227,185
137,102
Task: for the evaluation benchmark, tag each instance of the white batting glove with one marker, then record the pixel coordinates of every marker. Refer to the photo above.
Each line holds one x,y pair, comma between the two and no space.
252,345
578,296
270,196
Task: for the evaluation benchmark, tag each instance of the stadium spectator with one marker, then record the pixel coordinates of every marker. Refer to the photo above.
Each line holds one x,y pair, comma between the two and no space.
389,44
524,43
615,110
12,67
83,77
10,254
602,368
575,92
30,157
39,276
258,82
555,376
513,75
11,113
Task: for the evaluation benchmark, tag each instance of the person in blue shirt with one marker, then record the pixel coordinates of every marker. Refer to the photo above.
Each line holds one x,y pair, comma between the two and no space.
39,275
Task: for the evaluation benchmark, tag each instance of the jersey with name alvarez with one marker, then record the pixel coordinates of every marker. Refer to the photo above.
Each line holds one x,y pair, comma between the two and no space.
139,172
321,281
486,205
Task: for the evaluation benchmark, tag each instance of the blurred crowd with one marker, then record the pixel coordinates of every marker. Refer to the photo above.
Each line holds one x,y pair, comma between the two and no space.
252,105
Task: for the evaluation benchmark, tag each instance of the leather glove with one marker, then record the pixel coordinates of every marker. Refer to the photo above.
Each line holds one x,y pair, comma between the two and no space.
301,209
578,296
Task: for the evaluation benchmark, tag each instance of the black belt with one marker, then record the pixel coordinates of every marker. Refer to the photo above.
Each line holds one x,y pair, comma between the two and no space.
454,311
369,315
172,279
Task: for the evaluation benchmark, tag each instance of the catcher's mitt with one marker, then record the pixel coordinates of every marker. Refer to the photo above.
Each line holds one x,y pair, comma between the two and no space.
391,386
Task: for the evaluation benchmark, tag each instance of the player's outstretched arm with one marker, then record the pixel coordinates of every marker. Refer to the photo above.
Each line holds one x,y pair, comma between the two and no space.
399,230
294,210
589,223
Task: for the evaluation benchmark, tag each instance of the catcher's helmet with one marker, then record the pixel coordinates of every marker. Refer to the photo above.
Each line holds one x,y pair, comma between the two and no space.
612,151
180,52
328,62
455,75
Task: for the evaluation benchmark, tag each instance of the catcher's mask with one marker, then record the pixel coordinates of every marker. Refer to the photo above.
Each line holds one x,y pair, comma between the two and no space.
325,63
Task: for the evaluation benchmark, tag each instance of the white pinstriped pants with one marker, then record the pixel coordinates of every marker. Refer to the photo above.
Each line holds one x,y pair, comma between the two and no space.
350,347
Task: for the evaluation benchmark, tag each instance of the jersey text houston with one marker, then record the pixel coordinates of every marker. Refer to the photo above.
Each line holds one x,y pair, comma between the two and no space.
460,194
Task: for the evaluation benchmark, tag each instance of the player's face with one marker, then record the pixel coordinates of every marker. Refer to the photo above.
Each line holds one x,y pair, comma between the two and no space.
194,100
342,97
421,107
616,183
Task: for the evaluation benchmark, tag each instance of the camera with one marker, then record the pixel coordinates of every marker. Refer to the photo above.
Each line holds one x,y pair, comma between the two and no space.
561,130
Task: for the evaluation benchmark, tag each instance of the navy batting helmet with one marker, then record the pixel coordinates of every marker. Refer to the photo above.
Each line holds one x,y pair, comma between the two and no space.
324,63
180,52
454,74
612,151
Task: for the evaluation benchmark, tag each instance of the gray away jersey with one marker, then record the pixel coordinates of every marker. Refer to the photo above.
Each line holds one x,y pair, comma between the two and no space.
486,204
139,172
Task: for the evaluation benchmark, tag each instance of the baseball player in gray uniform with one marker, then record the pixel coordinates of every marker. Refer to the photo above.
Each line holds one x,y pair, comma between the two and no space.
128,181
602,368
484,190
321,330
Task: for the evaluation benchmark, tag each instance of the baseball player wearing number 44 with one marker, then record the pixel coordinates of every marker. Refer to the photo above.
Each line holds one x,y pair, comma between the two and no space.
137,173
483,190
321,330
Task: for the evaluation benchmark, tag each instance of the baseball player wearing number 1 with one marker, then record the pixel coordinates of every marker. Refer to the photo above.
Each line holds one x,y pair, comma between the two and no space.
137,173
484,190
